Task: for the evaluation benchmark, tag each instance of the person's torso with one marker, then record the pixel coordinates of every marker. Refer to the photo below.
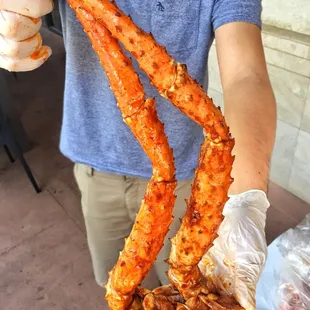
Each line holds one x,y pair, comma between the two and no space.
93,131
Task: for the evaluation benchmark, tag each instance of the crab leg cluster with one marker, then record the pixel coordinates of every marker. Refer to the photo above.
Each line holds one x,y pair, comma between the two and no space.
105,25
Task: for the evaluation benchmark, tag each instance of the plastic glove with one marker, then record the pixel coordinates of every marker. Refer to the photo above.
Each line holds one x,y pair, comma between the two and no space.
235,262
20,41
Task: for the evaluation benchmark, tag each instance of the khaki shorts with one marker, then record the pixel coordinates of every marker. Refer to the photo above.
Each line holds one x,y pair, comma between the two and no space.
110,204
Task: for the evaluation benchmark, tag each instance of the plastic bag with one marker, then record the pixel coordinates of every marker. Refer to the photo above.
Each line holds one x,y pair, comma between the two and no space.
285,281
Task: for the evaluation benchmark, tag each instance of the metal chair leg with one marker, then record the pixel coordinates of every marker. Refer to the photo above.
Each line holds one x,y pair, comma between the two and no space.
20,156
8,153
29,173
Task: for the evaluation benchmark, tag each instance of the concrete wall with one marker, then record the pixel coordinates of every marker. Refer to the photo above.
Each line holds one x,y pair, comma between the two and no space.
286,37
288,14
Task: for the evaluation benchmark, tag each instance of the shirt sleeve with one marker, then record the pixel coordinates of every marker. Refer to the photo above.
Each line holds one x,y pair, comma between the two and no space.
227,11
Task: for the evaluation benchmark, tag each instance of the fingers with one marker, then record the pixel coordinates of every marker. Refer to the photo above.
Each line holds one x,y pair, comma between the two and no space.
245,281
20,42
30,8
20,49
18,27
34,61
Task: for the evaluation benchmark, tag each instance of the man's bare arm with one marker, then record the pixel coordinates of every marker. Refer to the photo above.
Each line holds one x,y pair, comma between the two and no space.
250,108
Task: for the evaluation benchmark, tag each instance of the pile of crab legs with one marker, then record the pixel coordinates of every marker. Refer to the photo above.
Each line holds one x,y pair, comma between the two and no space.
106,25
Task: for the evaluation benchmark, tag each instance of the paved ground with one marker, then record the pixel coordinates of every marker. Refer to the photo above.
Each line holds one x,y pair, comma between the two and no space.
44,260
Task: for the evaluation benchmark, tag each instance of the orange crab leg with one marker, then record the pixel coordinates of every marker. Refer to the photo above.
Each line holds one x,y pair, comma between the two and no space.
203,217
212,179
155,216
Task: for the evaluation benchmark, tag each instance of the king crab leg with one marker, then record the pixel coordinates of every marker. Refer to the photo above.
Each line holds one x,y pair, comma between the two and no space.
212,178
155,216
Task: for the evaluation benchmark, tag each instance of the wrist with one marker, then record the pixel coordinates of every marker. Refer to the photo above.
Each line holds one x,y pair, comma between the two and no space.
253,198
249,174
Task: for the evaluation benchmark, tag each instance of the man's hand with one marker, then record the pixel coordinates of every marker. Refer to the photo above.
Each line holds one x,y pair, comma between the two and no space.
235,262
20,41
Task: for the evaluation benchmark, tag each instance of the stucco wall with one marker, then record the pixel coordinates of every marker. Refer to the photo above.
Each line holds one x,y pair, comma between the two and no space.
288,14
288,58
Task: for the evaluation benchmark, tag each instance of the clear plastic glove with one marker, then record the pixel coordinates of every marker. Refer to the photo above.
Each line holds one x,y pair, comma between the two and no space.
235,262
20,41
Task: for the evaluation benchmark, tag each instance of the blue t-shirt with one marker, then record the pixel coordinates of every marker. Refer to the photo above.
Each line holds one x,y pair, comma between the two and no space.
93,131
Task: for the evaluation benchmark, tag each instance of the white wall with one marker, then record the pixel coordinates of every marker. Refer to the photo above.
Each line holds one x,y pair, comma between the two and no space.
288,14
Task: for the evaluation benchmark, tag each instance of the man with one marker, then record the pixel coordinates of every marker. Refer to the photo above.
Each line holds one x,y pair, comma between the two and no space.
111,168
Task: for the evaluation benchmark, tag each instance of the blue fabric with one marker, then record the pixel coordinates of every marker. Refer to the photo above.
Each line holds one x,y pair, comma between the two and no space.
93,132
